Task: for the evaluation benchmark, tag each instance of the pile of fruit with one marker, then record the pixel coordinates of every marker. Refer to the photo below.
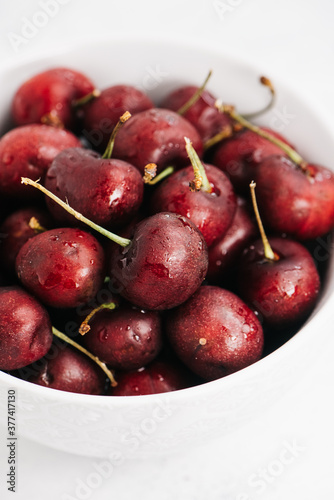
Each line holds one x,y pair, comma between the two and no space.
134,259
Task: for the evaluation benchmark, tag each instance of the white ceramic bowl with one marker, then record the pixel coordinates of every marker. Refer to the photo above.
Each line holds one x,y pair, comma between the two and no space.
142,426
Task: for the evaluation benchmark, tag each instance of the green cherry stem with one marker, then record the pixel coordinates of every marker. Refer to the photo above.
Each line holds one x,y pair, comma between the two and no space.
86,98
150,176
84,327
292,154
268,251
111,236
195,96
267,83
201,181
110,146
102,365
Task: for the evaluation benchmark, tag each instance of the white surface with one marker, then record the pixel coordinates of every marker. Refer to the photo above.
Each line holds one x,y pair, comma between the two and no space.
293,38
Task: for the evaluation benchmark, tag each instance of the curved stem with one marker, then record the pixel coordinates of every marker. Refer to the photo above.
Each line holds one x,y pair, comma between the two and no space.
201,181
84,327
225,133
267,83
110,146
268,252
35,225
102,365
86,98
291,153
195,96
111,236
157,178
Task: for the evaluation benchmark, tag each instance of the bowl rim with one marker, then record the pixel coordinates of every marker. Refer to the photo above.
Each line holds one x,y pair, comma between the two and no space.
323,310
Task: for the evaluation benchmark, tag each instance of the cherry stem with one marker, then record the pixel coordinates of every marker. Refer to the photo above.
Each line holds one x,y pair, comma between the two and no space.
200,181
100,363
52,119
292,154
36,226
86,98
195,96
225,133
268,252
110,146
267,83
150,176
84,327
124,242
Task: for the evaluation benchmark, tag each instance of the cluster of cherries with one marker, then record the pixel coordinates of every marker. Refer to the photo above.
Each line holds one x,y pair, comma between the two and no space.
131,257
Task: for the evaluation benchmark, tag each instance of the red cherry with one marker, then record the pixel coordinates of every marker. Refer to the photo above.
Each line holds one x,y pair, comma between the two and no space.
156,136
215,333
25,329
62,267
240,156
294,201
157,377
48,97
126,338
225,252
28,151
101,115
203,114
68,370
163,265
212,212
283,291
107,191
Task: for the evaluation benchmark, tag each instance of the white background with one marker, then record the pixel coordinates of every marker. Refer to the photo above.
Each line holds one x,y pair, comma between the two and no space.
290,38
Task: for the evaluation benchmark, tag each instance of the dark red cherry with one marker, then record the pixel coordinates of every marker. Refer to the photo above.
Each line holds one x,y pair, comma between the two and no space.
25,329
157,377
212,212
240,156
163,265
156,136
215,333
107,191
62,267
283,291
126,338
28,151
65,369
48,97
15,231
203,114
225,252
101,115
294,201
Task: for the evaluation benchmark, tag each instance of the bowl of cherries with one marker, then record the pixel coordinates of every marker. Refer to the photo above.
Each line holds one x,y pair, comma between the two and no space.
166,245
